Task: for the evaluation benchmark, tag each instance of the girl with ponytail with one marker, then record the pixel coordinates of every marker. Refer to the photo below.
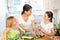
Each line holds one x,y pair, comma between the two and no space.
46,26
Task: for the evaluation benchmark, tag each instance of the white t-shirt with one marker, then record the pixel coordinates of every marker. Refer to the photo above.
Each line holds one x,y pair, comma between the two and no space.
28,24
47,27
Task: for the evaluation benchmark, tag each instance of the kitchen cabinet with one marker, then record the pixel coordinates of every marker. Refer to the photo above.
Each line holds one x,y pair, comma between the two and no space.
56,4
47,4
51,4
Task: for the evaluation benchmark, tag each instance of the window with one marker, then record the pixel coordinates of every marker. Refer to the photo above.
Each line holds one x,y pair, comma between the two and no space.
15,6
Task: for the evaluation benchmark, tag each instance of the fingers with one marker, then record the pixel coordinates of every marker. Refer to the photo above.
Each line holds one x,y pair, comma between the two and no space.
33,33
55,38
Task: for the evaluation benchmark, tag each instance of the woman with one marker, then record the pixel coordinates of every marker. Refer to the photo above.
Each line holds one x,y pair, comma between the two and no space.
26,20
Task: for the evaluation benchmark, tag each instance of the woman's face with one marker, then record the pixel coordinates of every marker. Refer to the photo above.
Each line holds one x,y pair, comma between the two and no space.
28,12
14,22
46,18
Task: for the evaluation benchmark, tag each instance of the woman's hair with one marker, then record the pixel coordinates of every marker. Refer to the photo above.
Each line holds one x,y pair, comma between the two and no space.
26,7
9,21
50,15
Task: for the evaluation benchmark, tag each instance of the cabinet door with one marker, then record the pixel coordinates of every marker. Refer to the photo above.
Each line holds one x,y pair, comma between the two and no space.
57,4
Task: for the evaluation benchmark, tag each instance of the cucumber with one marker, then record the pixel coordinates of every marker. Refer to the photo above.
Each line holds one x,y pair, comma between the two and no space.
25,34
21,29
27,37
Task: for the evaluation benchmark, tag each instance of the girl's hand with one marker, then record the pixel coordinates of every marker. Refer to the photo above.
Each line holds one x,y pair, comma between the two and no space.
55,38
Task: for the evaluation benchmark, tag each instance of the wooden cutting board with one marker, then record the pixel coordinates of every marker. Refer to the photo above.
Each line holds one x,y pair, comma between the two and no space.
43,38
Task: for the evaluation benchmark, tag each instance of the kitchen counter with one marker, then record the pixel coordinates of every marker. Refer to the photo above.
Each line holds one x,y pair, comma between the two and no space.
42,38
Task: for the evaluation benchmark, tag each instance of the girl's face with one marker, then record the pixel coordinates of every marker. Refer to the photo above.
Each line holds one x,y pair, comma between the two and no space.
14,22
46,18
28,12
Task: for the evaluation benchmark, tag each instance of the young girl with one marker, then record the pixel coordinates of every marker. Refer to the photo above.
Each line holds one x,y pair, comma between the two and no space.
10,26
47,27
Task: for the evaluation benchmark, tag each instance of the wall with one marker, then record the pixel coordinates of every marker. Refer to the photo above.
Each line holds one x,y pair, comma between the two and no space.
51,4
58,16
3,11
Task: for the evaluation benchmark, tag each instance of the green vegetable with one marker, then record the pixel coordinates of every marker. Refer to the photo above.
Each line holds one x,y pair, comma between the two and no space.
57,26
12,36
25,36
21,29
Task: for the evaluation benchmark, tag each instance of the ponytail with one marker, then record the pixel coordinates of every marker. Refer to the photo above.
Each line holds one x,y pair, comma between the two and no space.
22,13
50,15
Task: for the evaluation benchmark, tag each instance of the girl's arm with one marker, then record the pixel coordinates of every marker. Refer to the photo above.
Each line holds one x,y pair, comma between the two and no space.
4,34
50,34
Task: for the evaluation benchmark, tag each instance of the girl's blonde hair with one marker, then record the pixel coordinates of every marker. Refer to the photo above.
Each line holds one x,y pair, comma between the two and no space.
9,21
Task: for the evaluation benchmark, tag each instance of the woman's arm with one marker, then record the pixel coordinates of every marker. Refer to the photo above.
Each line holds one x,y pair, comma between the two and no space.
27,30
34,26
21,25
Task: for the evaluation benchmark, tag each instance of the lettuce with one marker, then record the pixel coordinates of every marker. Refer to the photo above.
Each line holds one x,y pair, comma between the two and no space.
12,36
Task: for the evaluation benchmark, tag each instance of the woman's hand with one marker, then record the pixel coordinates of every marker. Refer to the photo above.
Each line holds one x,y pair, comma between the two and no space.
40,33
32,32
